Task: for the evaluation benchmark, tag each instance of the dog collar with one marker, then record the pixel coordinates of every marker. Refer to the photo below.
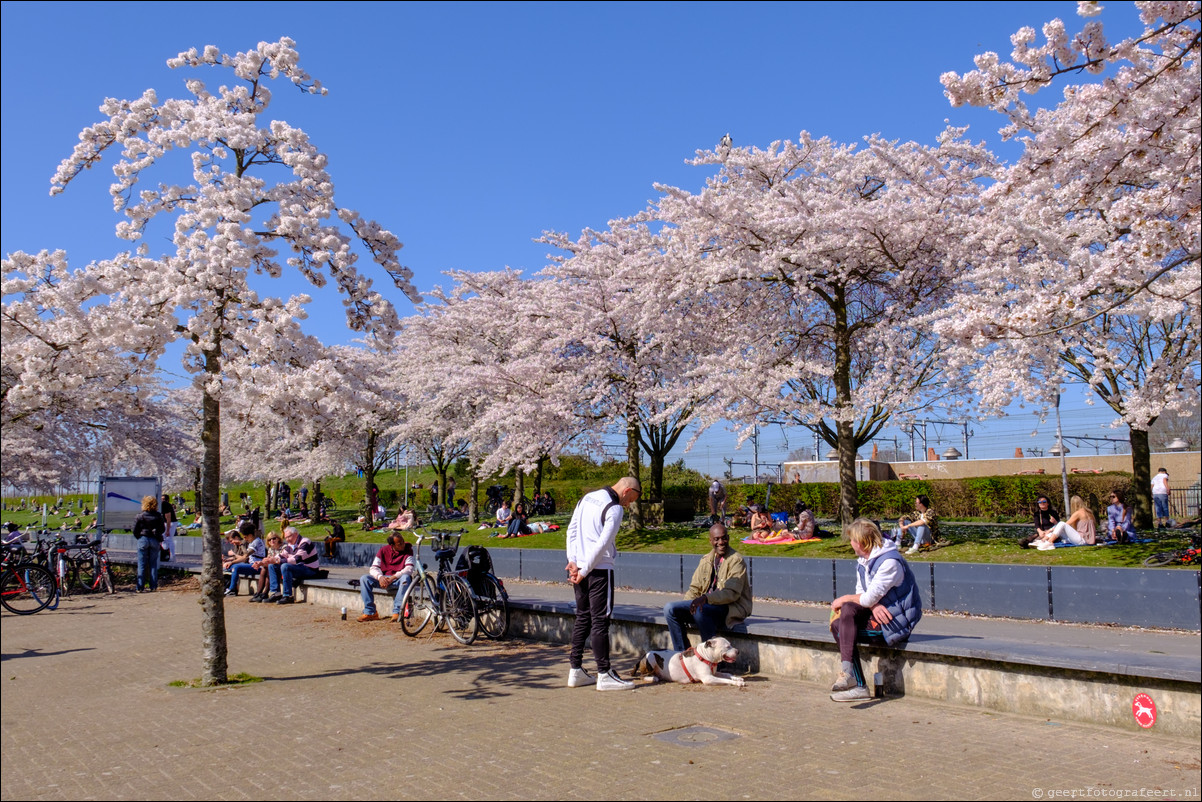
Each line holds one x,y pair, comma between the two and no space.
691,652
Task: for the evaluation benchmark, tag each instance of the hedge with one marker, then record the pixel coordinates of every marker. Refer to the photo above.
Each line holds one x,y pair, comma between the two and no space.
996,498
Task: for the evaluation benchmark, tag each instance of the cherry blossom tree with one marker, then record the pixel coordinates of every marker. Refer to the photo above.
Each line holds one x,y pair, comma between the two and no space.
226,227
1093,242
818,259
72,401
628,339
484,380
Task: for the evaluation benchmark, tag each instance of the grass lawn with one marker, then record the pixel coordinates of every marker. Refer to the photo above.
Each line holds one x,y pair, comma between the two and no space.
966,543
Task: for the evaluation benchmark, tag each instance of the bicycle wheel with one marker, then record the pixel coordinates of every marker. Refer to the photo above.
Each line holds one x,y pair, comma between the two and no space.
63,572
493,609
417,607
1162,558
459,611
26,589
84,574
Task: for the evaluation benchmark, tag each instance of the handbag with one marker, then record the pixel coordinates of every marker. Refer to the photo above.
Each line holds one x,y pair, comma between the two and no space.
164,554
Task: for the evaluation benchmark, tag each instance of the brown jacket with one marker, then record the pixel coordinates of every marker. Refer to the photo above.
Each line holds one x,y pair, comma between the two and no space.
733,588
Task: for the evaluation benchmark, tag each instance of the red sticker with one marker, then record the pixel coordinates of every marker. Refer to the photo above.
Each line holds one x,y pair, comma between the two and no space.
1144,710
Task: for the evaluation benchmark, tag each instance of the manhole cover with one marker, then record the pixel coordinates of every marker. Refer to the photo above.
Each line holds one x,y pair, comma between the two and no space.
696,736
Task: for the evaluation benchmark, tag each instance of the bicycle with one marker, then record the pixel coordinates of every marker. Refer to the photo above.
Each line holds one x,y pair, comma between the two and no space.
492,602
1190,555
25,587
90,568
444,597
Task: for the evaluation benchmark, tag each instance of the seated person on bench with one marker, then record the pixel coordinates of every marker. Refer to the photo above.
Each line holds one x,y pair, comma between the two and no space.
250,564
719,595
393,565
298,560
886,606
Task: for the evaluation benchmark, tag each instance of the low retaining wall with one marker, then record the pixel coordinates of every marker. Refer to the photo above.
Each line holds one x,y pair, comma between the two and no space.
1144,597
977,674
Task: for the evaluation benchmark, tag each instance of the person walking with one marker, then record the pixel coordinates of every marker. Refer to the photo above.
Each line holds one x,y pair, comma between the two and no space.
591,553
1160,497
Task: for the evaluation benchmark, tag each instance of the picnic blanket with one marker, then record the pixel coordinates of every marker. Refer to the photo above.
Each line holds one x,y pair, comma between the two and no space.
754,541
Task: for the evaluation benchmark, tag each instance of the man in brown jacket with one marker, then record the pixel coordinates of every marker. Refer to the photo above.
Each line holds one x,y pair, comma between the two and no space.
719,595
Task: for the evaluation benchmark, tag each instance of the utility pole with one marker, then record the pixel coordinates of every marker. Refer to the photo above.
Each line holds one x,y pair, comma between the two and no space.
755,450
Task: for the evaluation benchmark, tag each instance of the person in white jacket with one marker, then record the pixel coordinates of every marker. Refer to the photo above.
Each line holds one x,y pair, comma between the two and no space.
591,555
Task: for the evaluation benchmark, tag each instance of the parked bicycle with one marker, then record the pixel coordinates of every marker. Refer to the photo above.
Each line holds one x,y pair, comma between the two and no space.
444,597
25,587
90,569
492,601
1190,555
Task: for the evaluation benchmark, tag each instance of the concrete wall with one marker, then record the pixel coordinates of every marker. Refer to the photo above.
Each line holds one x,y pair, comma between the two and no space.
1155,597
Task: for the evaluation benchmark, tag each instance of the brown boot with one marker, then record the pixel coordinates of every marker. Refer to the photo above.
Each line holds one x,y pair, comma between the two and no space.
395,618
368,617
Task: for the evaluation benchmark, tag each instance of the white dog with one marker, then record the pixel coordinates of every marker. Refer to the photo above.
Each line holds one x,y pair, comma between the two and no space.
698,664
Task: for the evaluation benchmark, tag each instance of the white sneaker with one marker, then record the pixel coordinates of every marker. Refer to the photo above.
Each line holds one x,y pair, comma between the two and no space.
1046,546
578,677
857,694
610,681
912,550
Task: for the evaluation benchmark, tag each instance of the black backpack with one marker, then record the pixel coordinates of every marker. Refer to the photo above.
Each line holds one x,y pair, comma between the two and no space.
477,562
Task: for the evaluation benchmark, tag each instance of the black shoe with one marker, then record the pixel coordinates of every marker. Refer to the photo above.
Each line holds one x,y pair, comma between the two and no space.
231,593
286,600
274,599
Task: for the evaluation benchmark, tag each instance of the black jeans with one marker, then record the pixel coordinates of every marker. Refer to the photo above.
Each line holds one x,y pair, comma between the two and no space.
594,605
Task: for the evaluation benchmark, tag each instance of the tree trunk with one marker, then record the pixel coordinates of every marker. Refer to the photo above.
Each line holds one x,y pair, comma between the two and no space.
441,498
473,500
369,481
212,589
656,491
849,500
538,475
1141,478
632,459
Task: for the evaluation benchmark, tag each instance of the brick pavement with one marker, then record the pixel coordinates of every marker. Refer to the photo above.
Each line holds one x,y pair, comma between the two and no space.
360,711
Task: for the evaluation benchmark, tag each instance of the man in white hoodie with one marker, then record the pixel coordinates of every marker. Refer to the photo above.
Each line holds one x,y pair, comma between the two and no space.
591,555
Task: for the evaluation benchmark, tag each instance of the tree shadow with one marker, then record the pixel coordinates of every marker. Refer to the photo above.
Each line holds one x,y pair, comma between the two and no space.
487,674
39,653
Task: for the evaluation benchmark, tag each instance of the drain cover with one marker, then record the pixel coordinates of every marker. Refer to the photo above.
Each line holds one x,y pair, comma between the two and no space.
696,736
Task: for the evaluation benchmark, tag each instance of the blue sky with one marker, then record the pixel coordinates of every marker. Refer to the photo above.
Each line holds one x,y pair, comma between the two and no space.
470,128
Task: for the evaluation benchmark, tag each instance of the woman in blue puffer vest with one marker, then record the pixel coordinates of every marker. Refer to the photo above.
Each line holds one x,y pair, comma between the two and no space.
885,607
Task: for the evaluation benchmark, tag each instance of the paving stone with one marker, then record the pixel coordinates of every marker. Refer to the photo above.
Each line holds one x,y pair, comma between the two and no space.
359,711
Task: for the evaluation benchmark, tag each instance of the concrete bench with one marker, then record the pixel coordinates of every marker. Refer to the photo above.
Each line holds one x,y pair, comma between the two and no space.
1011,675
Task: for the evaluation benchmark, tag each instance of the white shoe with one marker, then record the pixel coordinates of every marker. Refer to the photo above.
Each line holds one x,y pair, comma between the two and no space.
912,550
610,681
1046,546
857,694
578,677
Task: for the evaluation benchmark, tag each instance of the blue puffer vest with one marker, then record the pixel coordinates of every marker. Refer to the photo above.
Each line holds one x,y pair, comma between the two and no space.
903,602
